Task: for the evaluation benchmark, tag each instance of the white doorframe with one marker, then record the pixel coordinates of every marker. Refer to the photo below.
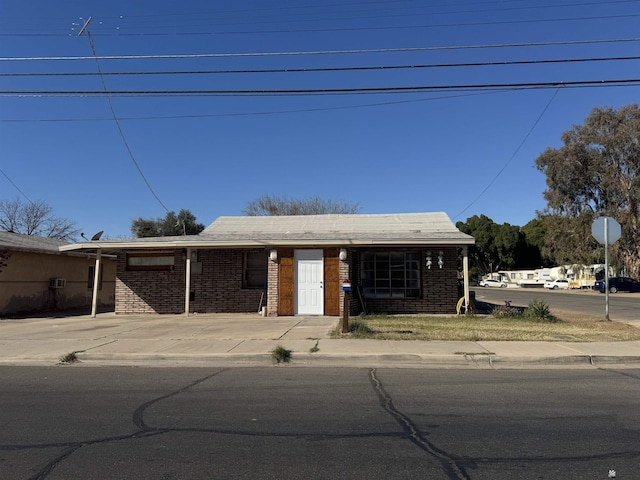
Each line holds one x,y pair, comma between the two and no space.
308,279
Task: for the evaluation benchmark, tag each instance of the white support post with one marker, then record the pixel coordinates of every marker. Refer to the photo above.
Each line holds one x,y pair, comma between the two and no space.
187,288
96,280
465,276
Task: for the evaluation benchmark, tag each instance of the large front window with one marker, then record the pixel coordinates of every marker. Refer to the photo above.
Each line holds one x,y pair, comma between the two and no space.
390,274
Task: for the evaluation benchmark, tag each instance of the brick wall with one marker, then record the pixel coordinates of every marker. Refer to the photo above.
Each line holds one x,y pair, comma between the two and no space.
218,289
439,293
272,289
346,274
150,291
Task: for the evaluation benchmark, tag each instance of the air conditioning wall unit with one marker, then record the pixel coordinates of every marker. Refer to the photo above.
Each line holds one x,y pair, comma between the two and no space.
57,283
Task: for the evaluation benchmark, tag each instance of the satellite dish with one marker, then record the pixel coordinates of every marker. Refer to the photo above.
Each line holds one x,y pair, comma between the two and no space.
97,236
82,235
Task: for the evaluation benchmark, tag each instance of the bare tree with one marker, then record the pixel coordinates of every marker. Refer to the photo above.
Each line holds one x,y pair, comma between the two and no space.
35,218
274,205
10,215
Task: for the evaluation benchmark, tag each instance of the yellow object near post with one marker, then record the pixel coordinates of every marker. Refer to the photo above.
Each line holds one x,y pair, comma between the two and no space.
460,307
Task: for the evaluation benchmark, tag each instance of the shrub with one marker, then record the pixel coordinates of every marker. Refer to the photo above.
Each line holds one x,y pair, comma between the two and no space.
539,310
69,358
504,311
359,328
281,354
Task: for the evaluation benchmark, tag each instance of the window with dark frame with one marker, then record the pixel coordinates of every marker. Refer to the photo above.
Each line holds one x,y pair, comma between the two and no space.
391,274
255,269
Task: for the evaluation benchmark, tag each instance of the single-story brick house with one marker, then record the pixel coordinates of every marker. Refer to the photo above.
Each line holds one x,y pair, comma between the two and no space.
39,278
293,265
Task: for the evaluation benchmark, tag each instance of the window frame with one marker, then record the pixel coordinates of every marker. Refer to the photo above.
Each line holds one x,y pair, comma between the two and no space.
391,274
91,277
150,266
250,271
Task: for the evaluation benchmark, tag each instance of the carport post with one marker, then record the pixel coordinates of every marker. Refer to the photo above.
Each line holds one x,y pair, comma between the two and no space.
96,278
187,287
465,276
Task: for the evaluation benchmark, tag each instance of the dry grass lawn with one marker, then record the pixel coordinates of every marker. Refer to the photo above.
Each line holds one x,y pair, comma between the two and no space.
569,327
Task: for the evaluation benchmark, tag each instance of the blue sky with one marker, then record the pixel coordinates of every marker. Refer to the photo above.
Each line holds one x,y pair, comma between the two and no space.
462,151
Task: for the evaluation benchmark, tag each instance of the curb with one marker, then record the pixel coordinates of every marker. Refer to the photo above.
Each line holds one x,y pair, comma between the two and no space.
614,360
361,361
452,361
521,362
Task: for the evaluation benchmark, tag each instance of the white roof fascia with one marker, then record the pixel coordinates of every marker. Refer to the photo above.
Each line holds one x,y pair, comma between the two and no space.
257,243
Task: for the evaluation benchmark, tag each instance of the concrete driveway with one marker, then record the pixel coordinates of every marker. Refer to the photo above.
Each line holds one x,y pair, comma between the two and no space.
48,338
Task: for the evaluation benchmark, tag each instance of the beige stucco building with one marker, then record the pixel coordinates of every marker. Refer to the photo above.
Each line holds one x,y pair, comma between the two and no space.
39,278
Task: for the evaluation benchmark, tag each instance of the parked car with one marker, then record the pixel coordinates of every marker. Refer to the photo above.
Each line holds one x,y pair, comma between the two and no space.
619,284
560,283
490,282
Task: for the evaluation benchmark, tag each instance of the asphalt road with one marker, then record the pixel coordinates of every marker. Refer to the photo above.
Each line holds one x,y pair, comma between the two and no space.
294,423
623,306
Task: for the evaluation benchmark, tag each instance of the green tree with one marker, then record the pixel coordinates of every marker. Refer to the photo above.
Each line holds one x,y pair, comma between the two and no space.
569,241
498,246
35,218
184,223
274,205
535,234
596,172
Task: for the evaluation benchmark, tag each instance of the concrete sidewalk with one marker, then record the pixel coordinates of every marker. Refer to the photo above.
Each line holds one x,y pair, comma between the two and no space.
247,340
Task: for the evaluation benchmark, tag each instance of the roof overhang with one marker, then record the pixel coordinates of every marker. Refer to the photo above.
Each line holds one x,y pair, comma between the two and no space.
274,243
352,230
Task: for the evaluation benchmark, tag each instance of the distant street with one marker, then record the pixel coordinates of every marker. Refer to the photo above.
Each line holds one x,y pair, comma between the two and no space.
623,306
295,423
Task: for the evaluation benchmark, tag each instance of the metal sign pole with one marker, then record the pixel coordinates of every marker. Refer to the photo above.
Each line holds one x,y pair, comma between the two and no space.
606,230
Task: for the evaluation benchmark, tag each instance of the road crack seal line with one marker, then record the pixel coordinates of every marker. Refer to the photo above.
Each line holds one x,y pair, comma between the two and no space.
449,464
138,415
71,448
138,420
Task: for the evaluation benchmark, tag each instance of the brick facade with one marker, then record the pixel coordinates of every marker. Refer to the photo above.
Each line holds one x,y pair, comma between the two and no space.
439,289
218,287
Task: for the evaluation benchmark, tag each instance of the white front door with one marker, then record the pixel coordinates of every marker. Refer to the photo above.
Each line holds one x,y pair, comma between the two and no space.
309,293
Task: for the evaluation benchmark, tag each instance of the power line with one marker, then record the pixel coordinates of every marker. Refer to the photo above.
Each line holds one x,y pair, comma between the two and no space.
385,28
385,13
326,91
513,155
327,69
15,186
318,52
347,29
115,118
313,9
268,112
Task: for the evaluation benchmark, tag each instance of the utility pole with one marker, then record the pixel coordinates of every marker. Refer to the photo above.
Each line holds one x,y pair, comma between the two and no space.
84,27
